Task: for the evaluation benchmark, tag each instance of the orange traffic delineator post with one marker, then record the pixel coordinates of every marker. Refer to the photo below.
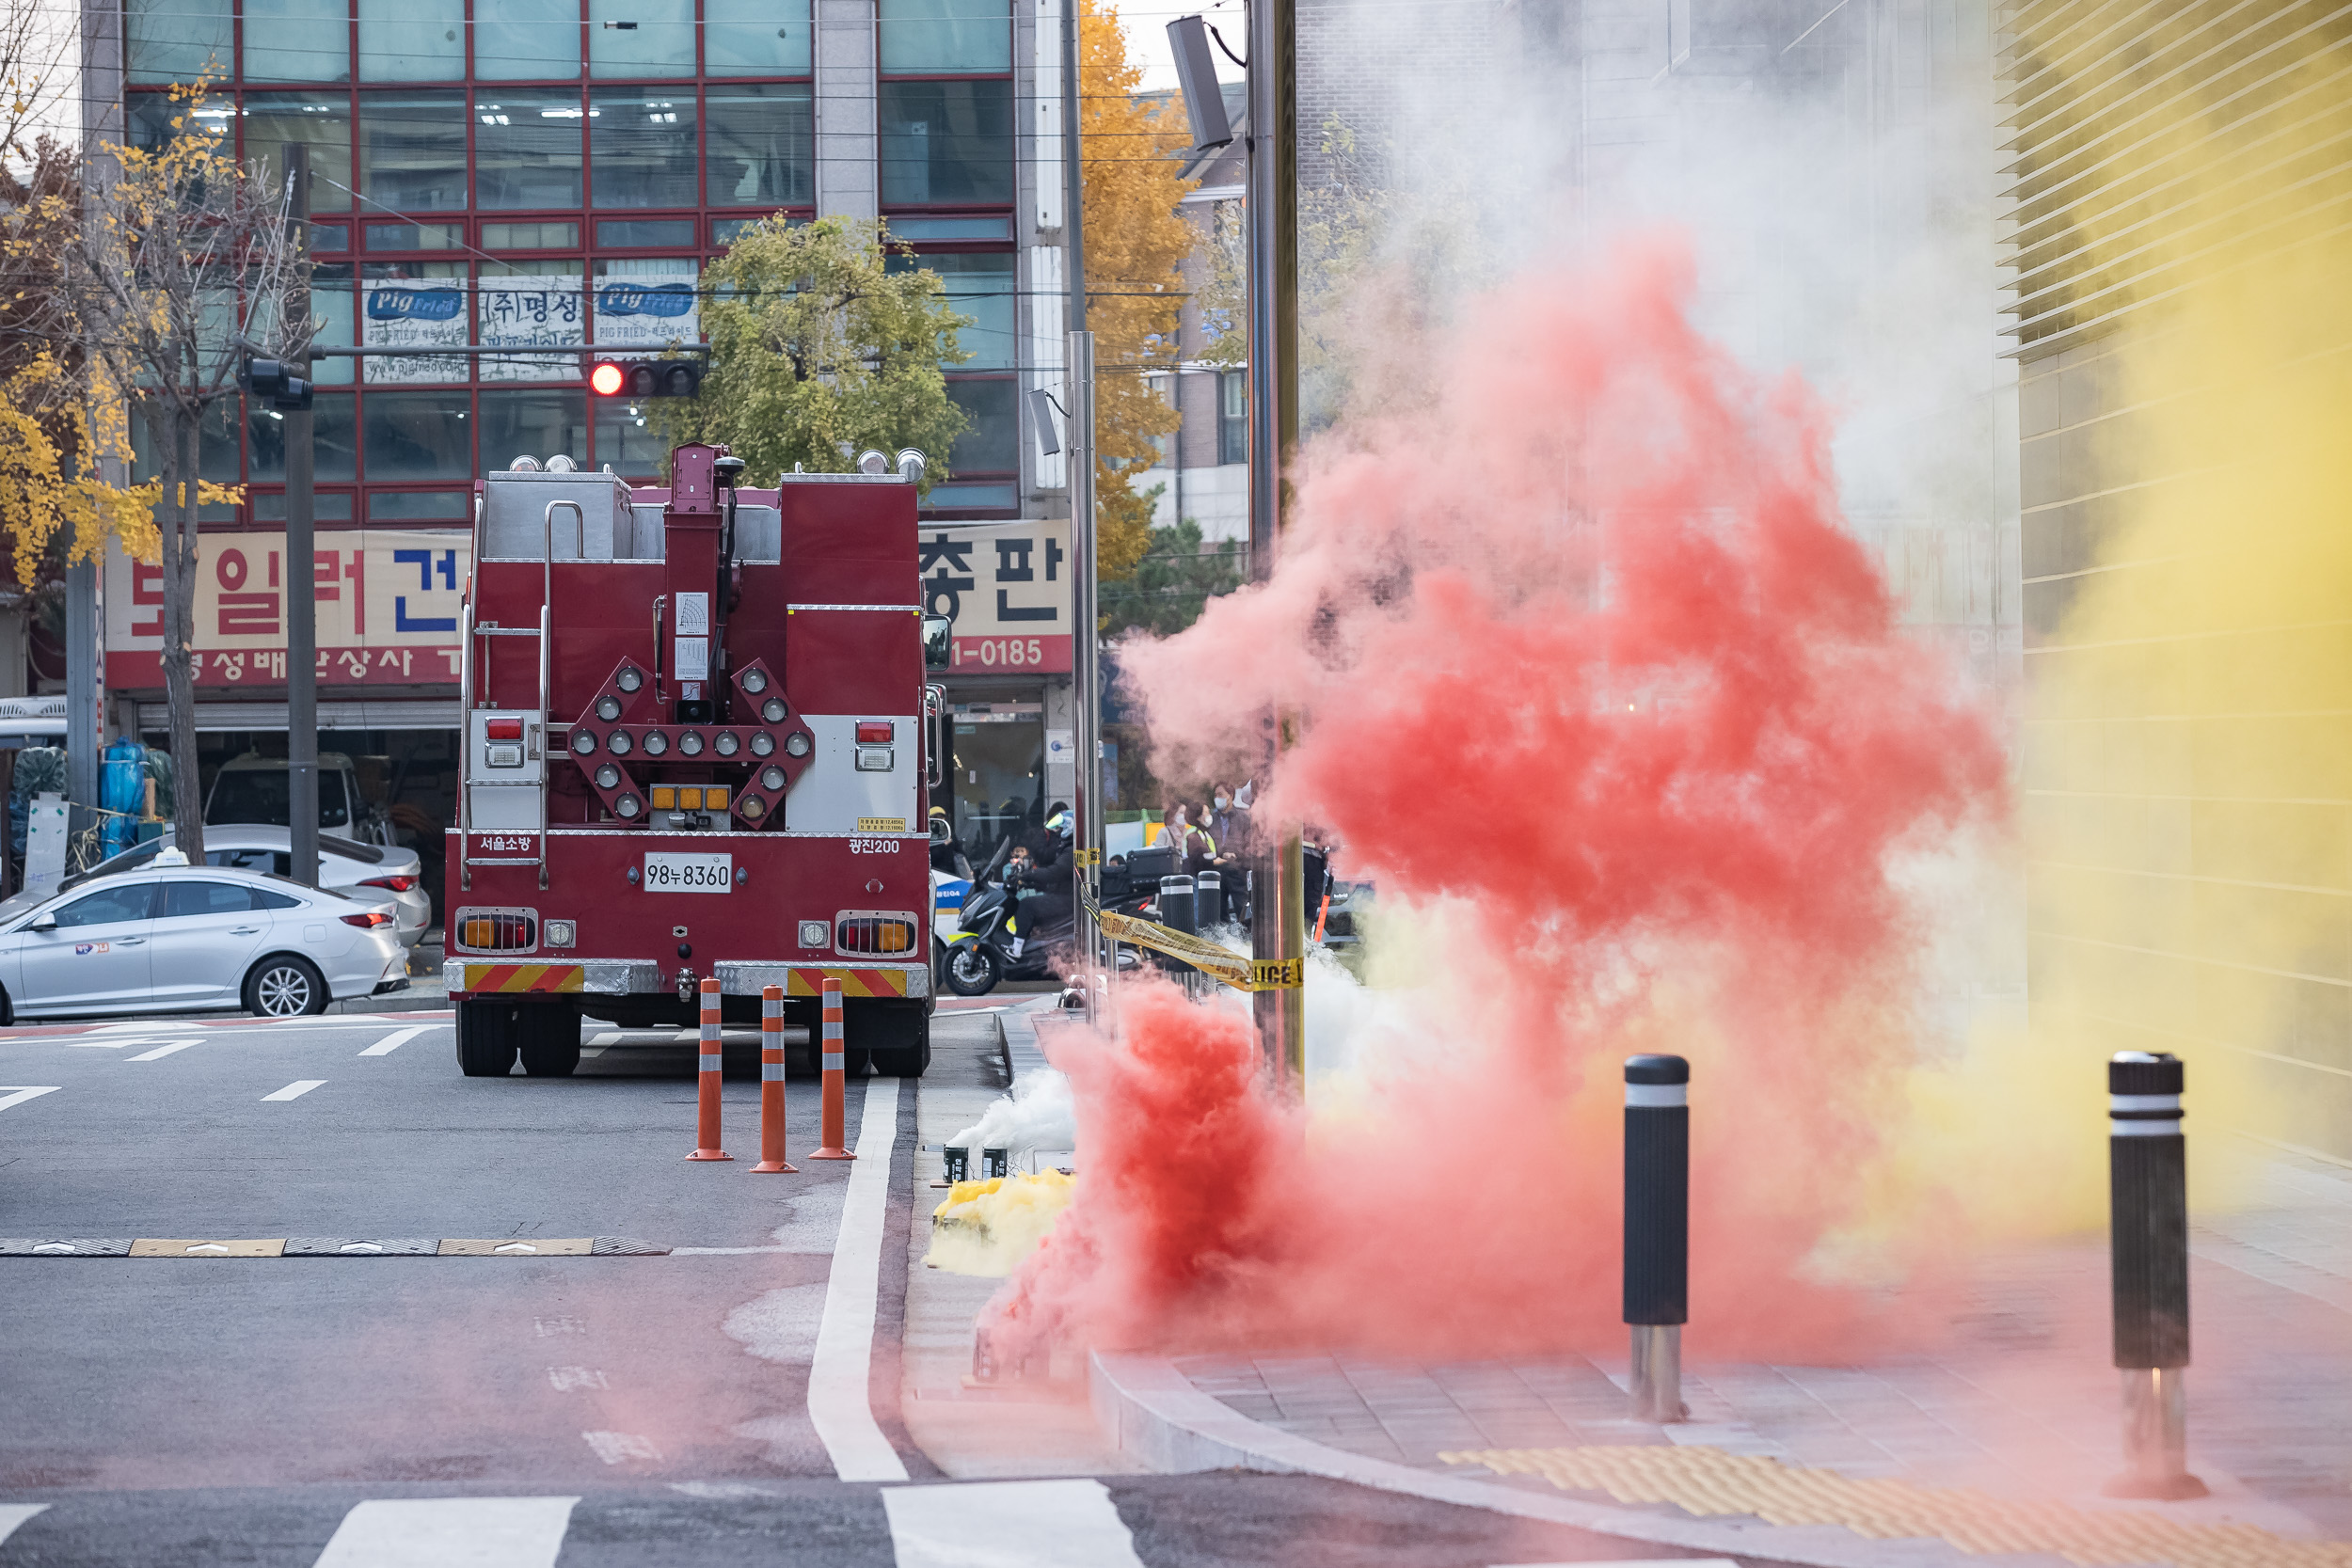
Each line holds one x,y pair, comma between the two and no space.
771,1159
707,1098
836,1081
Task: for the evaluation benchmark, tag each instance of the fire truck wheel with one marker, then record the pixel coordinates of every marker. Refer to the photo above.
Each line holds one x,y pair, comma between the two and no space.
485,1039
551,1041
894,1037
283,986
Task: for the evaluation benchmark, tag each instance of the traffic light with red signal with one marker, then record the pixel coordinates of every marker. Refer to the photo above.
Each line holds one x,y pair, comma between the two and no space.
637,379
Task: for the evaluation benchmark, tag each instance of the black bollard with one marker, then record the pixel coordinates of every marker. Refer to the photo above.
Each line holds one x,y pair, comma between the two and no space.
1657,1230
1178,905
2148,1242
1208,899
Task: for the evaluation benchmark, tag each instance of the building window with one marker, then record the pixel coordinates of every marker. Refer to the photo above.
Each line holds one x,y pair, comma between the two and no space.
526,148
148,120
659,42
978,286
990,444
645,233
412,435
330,302
335,446
623,440
276,121
642,145
412,151
527,40
1233,417
421,506
538,424
947,142
754,38
761,145
938,37
177,41
412,40
296,40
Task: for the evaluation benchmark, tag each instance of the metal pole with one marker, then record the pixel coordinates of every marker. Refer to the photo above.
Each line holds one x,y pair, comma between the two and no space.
1085,679
1657,1231
2148,1242
302,641
85,702
1277,892
1086,798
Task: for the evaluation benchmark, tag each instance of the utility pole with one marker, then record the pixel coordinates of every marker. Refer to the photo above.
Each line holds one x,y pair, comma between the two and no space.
1276,894
1087,799
302,690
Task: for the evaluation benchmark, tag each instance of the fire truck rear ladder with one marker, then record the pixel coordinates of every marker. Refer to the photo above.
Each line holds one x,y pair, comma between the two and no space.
467,860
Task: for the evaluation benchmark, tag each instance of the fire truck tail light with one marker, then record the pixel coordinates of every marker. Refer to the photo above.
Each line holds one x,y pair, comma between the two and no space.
714,800
495,930
689,800
875,734
874,933
502,729
664,798
814,932
561,933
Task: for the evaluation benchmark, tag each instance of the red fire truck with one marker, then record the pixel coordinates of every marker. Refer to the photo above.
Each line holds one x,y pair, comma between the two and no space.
694,728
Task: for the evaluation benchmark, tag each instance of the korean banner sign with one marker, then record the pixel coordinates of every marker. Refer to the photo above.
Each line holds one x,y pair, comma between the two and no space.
387,609
1007,588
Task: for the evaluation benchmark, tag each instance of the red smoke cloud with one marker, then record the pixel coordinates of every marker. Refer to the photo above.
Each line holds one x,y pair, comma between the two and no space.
1583,663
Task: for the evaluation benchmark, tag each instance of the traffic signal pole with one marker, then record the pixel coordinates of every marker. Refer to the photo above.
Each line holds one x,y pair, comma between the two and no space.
302,690
1277,896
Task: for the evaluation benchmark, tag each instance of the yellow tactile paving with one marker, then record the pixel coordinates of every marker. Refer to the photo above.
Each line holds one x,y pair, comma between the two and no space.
1710,1480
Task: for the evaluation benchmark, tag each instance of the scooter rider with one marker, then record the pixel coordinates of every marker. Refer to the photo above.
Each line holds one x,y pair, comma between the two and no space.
1039,885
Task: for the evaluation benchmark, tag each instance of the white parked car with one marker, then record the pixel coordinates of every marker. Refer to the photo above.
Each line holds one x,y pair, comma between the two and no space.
365,871
192,937
255,788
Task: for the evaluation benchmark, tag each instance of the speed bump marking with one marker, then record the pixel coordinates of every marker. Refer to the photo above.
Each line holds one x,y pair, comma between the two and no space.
362,1246
83,1246
149,1246
510,1246
1702,1481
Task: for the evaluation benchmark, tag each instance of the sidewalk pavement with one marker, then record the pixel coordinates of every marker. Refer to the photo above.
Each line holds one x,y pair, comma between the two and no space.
2020,1406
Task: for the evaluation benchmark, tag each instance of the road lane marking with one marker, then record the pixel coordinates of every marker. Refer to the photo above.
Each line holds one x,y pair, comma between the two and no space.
162,1050
1018,1524
13,1514
839,1402
11,1094
294,1090
615,1447
1633,1562
566,1379
399,1038
451,1532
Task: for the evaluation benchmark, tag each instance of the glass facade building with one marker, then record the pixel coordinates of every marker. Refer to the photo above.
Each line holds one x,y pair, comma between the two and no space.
505,172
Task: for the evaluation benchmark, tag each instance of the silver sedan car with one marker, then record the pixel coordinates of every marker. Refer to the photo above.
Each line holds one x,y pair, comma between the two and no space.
365,871
195,938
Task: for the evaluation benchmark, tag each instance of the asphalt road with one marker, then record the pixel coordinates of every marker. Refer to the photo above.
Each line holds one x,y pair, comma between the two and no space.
397,1408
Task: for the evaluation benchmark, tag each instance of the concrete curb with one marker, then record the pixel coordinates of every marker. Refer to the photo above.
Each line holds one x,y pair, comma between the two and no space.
1149,1409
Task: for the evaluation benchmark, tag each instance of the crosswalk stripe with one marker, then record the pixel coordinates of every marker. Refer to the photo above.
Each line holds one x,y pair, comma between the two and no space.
13,1514
838,1403
294,1090
162,1050
451,1532
397,1038
1008,1524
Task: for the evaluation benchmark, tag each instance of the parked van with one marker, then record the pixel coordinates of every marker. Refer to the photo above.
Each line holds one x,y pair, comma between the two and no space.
253,788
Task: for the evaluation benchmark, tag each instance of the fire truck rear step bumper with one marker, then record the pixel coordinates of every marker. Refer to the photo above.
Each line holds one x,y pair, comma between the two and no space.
644,977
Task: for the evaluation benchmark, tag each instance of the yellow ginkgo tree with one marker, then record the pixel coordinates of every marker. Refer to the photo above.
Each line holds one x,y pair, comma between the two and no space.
144,286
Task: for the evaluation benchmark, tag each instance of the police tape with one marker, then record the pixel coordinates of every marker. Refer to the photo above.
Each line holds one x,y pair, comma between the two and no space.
1221,964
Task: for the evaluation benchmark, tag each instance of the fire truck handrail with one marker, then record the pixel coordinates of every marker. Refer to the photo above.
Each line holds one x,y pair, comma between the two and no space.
901,609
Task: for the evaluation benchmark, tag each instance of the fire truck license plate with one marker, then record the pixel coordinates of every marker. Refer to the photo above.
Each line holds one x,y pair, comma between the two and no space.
670,873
